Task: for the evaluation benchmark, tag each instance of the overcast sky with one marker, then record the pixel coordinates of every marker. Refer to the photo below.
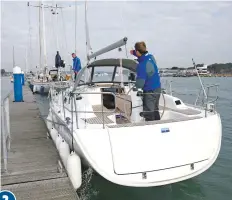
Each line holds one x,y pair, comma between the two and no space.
175,32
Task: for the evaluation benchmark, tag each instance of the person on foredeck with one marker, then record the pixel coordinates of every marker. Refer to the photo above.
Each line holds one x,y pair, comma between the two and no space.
76,65
57,60
148,80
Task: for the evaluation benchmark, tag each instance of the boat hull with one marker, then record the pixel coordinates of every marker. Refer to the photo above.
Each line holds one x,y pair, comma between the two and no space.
102,158
42,88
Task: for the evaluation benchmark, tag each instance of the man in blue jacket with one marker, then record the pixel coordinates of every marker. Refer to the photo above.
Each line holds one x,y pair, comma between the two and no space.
148,80
76,65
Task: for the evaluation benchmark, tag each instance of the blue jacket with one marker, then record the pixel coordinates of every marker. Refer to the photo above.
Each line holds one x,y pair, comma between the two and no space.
147,73
76,64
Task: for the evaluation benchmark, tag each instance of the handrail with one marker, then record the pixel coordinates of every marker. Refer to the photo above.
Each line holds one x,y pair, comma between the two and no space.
213,85
5,130
102,110
205,101
7,96
77,93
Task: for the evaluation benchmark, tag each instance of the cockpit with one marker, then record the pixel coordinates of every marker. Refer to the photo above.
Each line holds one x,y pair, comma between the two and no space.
112,79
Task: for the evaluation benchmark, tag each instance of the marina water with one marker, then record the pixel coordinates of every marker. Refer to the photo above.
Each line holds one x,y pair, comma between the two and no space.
214,184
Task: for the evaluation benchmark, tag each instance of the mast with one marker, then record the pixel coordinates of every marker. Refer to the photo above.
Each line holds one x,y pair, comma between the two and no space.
57,39
88,46
75,26
29,37
40,40
13,58
26,63
65,38
44,41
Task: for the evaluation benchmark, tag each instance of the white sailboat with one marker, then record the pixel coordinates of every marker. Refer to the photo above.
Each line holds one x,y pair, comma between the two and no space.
40,83
100,120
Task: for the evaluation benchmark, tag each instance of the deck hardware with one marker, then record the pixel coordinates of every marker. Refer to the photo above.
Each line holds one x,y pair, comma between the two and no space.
192,166
144,175
78,97
60,167
68,120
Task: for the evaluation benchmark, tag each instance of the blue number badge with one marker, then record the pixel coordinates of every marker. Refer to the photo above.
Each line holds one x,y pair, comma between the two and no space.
165,130
7,195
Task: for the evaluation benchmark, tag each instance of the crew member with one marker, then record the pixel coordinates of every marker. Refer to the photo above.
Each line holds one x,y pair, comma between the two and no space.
76,65
57,60
148,80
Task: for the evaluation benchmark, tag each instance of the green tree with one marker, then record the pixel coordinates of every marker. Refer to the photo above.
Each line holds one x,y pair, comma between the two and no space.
175,68
220,68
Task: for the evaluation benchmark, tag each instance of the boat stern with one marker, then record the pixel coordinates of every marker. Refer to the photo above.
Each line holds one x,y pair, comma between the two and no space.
154,154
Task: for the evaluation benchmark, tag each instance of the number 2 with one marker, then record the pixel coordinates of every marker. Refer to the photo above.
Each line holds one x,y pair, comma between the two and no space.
5,197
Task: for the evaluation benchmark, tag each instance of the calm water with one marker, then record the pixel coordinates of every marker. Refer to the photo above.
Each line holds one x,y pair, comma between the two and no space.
214,184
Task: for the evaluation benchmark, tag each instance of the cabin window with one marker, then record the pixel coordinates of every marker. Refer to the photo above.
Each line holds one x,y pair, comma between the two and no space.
86,75
125,75
103,74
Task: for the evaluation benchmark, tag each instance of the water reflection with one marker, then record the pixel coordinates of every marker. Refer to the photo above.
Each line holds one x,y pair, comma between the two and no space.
190,190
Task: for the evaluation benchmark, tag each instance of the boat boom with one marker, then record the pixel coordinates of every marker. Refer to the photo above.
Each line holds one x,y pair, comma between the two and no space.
108,48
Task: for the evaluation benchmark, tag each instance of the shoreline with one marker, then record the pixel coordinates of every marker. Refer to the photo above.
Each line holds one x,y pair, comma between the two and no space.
207,76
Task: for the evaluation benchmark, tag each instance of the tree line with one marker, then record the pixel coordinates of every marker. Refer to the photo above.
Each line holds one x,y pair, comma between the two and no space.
215,68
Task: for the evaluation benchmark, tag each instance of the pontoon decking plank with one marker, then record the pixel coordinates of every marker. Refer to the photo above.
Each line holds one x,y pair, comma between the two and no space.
33,159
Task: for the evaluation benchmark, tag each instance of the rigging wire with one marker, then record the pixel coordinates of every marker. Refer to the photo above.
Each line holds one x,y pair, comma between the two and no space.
125,34
126,49
75,26
64,31
29,37
123,25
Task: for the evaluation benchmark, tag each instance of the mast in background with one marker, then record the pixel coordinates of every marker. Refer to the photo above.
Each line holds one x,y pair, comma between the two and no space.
88,46
29,53
40,39
26,63
13,58
44,42
75,26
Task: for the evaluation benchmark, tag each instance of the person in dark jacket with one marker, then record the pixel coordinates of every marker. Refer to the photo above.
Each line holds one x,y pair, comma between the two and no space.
57,60
76,65
148,80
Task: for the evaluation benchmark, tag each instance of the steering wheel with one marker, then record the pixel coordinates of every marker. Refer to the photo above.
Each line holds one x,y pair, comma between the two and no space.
133,86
